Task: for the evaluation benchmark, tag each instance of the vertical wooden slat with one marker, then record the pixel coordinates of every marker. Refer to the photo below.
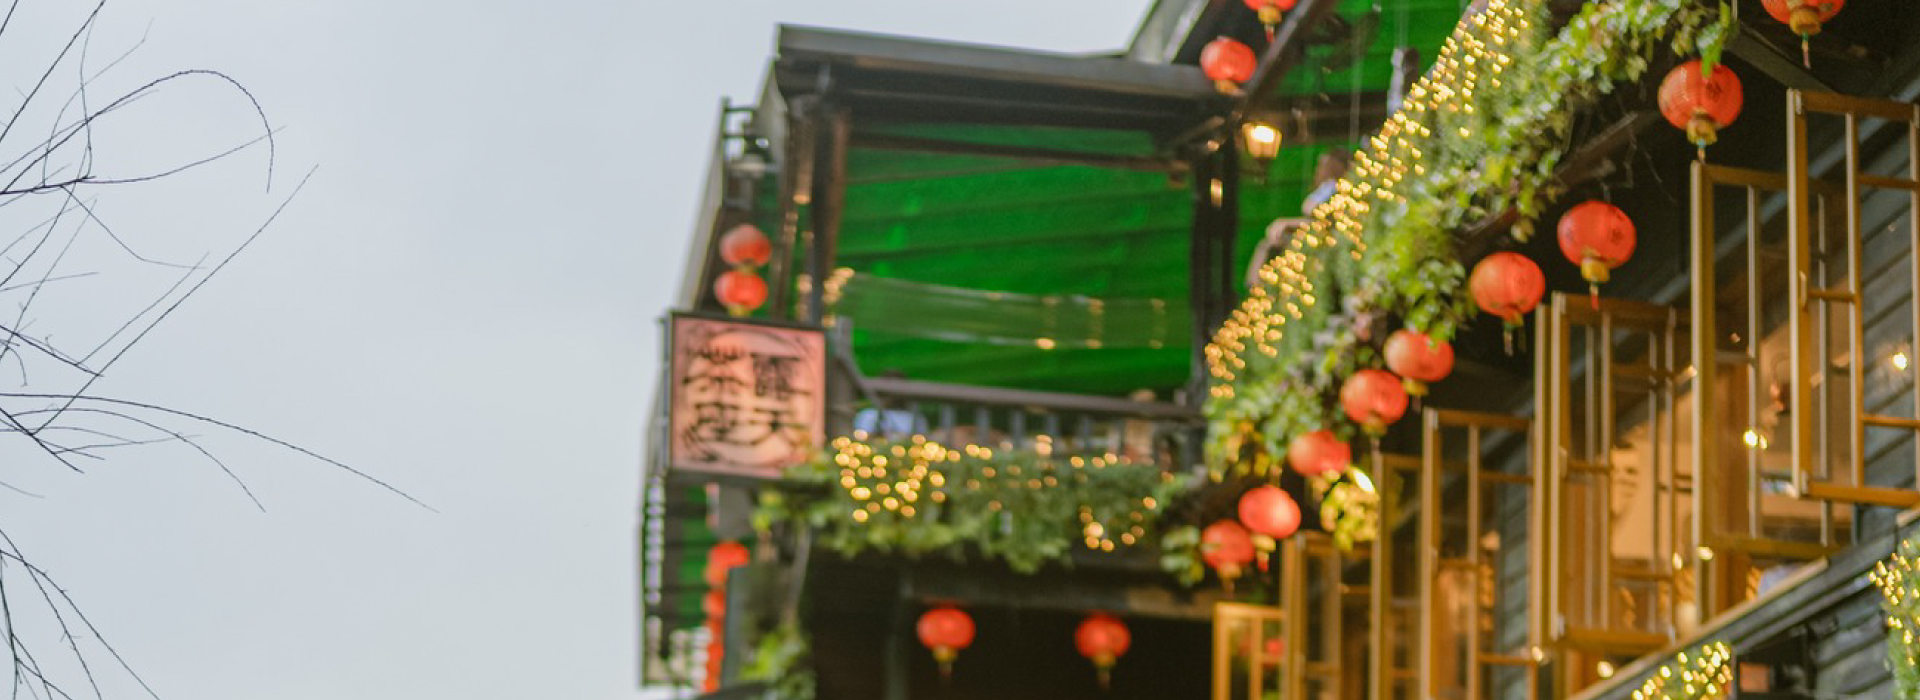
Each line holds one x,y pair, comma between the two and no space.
1379,590
1474,644
1294,674
1223,653
1706,436
1752,342
1913,250
1856,334
1545,431
1799,265
1559,341
1601,446
1823,321
1427,553
1331,609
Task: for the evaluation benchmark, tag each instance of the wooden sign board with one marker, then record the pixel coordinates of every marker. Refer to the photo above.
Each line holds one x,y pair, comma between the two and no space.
747,397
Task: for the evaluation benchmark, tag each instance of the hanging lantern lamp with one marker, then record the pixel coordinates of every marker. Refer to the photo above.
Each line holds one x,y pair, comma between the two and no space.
1507,285
1805,18
1269,12
1319,452
1227,548
1419,359
1262,141
1228,64
1268,510
1374,399
745,245
1701,103
1103,639
946,630
740,291
1598,237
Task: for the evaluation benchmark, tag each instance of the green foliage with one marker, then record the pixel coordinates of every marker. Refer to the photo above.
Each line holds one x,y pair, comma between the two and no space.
1180,555
1013,506
1481,136
1899,580
782,660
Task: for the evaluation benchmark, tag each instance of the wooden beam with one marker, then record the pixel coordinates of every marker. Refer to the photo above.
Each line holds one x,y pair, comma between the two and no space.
1146,597
1045,156
893,388
1592,161
1749,46
1288,45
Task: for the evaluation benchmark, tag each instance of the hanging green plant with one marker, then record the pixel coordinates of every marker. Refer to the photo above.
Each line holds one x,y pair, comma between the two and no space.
1479,136
783,661
1019,507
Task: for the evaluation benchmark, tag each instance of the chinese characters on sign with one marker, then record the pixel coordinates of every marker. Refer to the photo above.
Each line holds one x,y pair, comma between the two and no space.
747,397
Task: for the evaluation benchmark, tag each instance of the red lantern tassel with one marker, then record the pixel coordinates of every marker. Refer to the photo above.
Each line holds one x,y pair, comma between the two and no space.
945,655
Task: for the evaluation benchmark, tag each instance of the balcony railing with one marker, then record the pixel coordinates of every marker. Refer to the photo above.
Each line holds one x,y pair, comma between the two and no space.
1137,430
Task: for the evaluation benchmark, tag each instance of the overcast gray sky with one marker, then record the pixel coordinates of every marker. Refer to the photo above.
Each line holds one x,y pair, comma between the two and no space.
462,302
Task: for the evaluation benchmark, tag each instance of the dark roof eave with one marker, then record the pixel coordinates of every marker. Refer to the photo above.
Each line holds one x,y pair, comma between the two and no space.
937,59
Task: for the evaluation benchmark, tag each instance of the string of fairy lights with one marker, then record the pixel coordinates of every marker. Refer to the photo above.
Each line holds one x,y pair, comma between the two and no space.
1898,577
901,480
1705,672
1476,54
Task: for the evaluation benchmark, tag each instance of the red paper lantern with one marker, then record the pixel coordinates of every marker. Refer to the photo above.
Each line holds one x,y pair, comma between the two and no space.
1507,285
1701,104
1419,359
716,653
1319,452
946,630
1272,650
745,245
1227,63
1374,399
1598,237
1227,548
1804,17
740,291
1269,511
1269,11
714,605
722,558
1103,639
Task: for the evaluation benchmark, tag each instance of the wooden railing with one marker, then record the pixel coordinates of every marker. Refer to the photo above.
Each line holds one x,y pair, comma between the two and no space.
1048,422
1299,648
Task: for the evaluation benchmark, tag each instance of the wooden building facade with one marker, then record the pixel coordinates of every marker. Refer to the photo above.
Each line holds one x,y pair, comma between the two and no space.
1032,252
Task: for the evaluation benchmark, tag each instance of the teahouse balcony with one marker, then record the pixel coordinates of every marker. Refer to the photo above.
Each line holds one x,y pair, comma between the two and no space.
1018,261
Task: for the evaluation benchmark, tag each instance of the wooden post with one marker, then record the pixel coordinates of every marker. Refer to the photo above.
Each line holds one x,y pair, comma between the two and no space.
1199,288
833,134
796,189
